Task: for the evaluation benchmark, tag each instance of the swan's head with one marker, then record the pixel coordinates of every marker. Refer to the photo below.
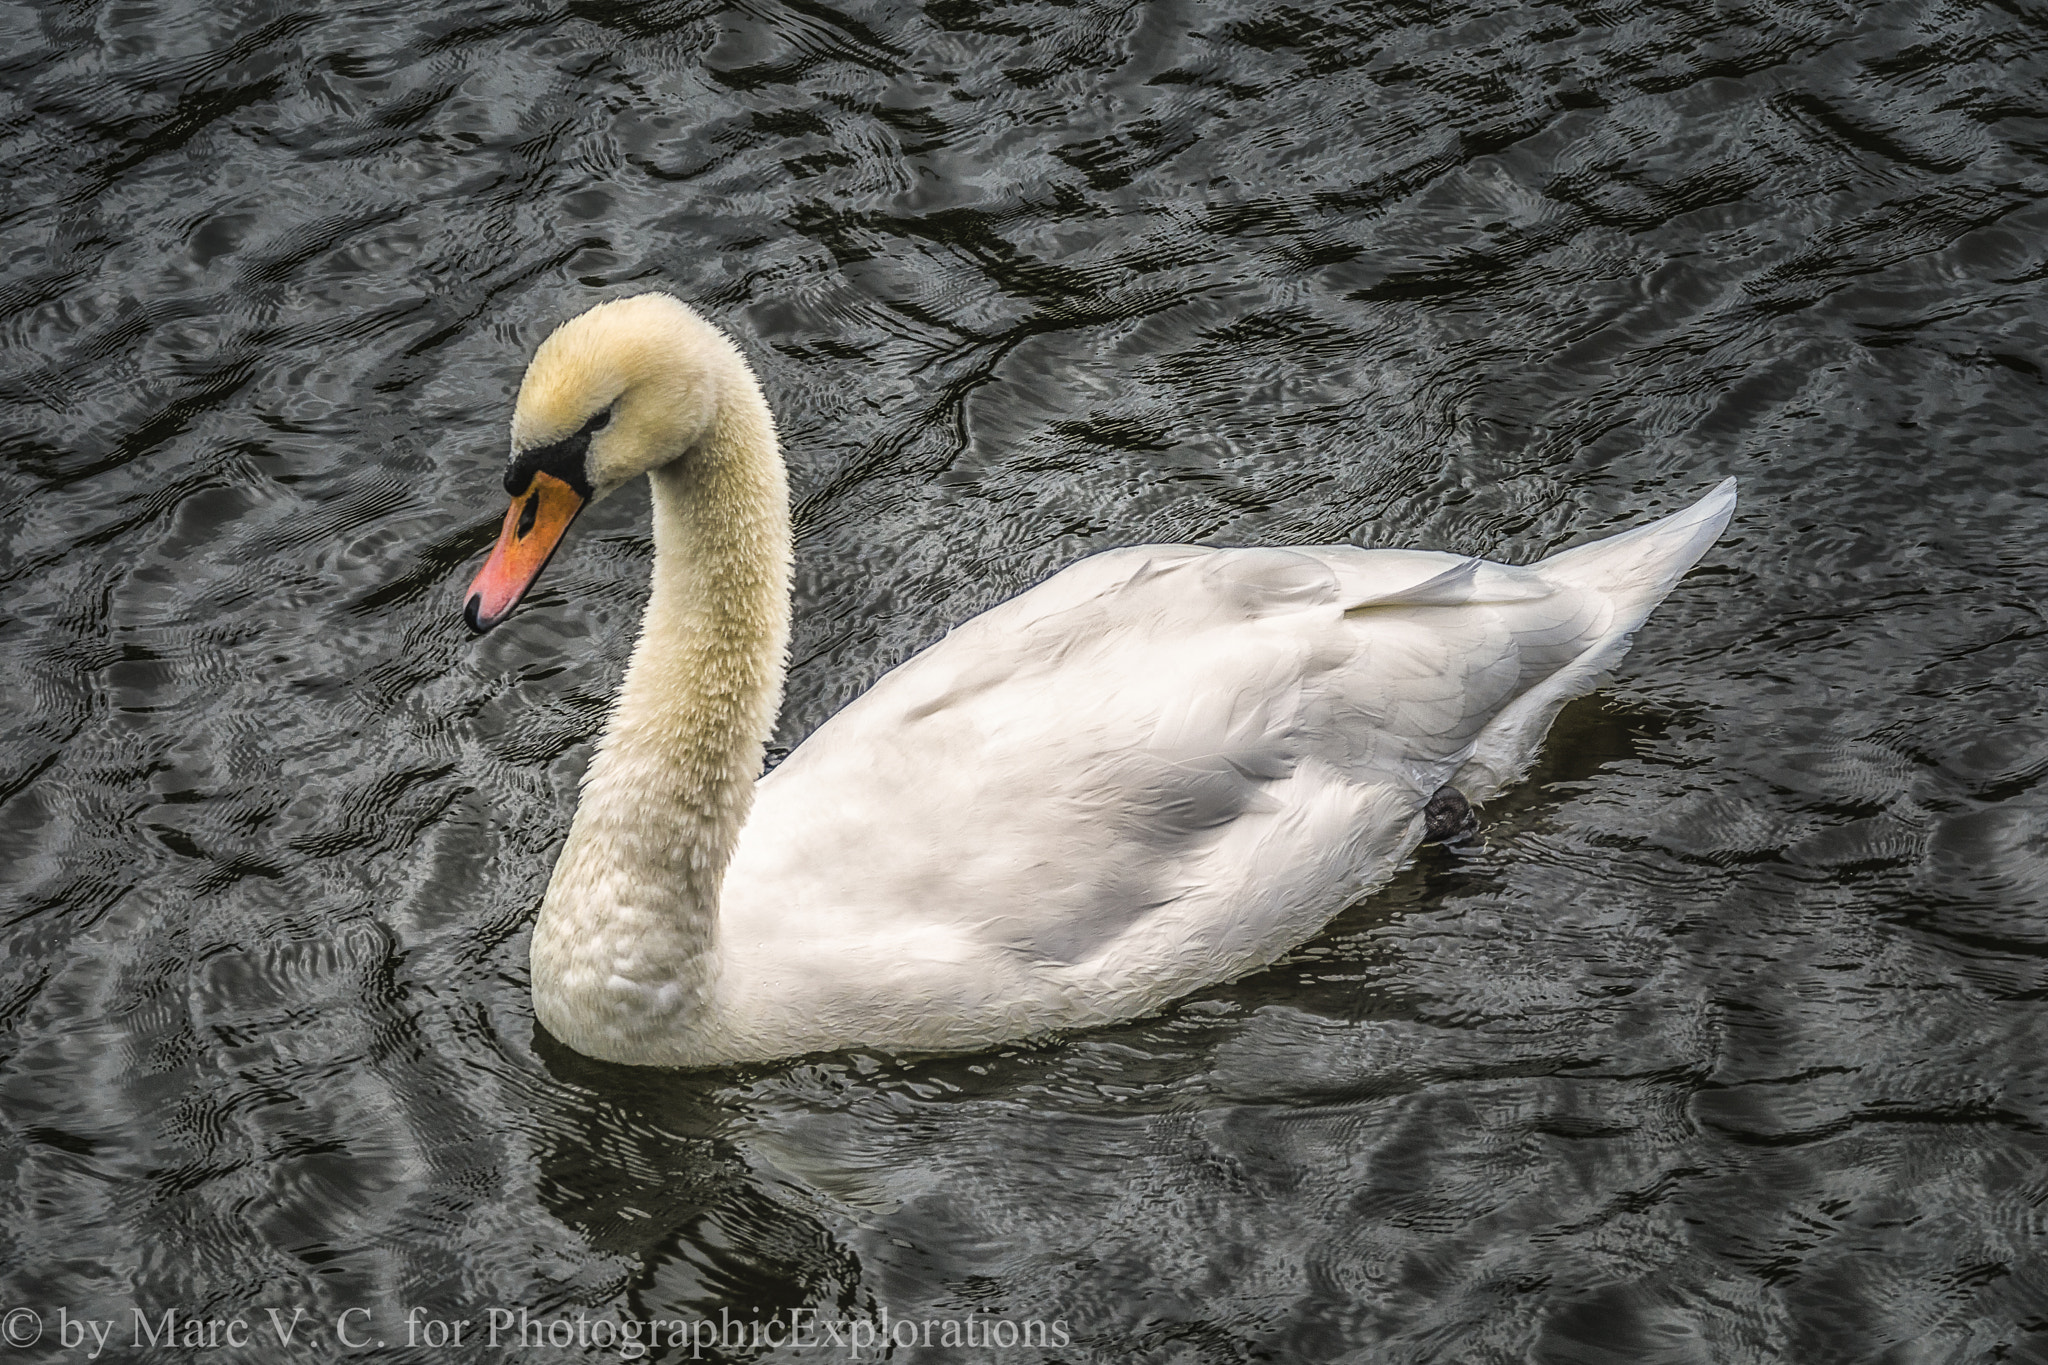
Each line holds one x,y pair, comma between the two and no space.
618,392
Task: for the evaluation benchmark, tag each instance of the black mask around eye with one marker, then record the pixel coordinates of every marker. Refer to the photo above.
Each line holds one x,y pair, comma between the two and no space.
566,459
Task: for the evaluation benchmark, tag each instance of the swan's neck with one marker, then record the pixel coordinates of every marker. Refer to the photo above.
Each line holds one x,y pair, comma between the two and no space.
625,950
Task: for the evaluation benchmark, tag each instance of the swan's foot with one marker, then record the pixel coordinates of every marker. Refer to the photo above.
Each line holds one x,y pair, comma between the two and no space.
1448,818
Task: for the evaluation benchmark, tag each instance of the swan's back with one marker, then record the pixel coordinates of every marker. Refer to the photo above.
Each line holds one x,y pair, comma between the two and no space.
1161,768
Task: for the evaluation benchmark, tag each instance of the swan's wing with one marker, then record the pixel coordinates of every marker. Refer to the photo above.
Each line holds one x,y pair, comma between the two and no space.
1150,726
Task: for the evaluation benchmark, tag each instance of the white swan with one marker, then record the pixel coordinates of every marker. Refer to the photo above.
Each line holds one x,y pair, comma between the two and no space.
1159,769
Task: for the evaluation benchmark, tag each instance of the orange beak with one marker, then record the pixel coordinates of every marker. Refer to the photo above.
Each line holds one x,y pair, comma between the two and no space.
534,525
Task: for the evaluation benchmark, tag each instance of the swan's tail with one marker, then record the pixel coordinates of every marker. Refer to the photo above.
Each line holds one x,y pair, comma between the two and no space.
1633,572
1635,569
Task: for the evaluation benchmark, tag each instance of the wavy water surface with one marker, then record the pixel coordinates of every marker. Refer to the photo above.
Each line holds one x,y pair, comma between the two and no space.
1729,1045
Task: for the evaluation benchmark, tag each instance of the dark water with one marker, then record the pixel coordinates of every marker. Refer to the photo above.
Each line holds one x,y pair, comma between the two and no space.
1731,1046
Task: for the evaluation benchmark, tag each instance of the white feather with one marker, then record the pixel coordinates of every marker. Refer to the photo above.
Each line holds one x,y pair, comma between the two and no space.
1160,769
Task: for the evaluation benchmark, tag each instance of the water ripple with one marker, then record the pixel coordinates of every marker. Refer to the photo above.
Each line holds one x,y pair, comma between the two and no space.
1723,1047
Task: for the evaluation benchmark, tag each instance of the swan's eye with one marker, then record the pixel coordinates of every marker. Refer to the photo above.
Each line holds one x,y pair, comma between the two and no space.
599,422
